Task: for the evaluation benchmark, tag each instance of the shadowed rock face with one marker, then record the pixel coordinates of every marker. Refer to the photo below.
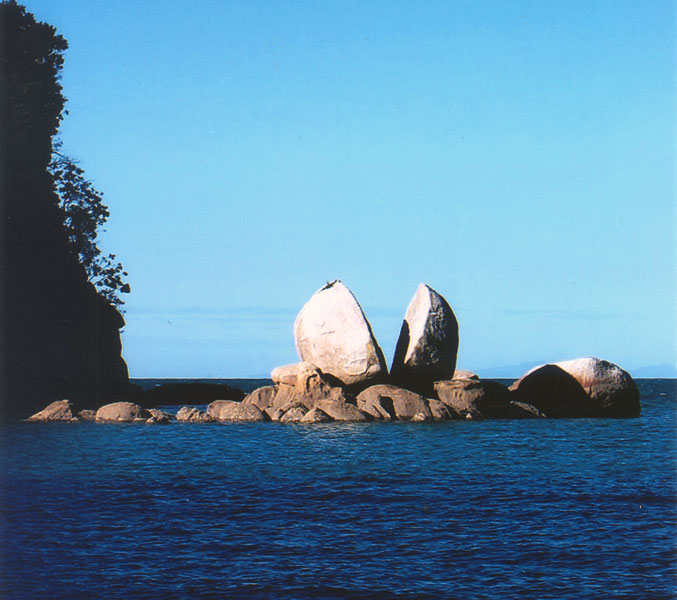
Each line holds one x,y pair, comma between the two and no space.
584,387
475,399
612,390
332,333
428,344
390,402
553,391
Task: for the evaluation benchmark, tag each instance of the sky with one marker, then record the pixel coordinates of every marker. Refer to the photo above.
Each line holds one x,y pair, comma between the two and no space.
518,157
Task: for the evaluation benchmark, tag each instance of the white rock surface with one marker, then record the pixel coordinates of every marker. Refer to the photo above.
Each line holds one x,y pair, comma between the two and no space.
332,333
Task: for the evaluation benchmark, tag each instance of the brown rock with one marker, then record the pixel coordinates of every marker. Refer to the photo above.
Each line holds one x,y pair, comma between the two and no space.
261,397
476,399
342,411
190,414
440,411
159,417
87,414
122,412
61,410
393,401
316,415
228,410
276,414
294,374
294,414
460,374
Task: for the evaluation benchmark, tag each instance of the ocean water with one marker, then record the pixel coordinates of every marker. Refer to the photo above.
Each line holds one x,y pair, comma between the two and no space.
461,510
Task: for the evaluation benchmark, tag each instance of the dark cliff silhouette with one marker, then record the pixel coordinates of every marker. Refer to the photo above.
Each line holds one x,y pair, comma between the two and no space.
60,337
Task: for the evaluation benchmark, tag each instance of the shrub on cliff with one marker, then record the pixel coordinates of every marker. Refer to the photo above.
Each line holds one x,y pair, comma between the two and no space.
60,338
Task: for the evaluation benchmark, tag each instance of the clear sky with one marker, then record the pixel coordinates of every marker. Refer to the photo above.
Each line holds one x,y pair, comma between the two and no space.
518,157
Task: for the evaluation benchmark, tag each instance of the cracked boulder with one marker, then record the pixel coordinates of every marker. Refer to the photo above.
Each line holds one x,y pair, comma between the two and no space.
332,333
428,343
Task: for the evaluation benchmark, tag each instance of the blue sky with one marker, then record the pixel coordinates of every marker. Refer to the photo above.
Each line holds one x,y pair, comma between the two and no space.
518,157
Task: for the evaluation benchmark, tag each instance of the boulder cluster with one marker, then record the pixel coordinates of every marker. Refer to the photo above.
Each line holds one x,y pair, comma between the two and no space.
343,376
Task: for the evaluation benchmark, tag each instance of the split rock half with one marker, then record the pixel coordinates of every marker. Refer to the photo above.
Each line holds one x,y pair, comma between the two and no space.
332,333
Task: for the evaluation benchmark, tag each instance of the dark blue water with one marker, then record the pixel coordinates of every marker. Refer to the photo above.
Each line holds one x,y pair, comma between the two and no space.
497,509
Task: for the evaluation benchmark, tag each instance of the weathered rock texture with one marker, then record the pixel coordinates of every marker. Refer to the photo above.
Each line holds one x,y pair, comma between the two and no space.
159,417
612,390
301,388
474,399
391,402
122,412
460,374
190,414
332,333
583,387
428,343
60,410
229,410
316,415
87,414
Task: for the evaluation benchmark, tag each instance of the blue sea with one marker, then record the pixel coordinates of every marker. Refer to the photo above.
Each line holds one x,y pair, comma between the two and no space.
546,509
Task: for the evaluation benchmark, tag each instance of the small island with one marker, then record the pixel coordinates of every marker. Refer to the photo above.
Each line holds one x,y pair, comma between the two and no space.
343,376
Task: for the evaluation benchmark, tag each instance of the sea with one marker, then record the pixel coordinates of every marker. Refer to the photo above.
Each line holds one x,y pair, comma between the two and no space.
543,509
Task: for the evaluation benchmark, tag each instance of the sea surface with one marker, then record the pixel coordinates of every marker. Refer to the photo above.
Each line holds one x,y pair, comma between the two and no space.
546,509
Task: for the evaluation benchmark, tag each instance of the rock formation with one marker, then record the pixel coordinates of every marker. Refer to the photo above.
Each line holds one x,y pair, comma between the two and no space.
190,414
122,412
351,383
611,390
332,333
584,387
60,338
475,399
428,343
301,388
391,402
60,410
230,410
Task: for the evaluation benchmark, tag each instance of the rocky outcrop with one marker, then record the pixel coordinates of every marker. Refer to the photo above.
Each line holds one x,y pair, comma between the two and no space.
190,414
584,387
159,417
87,414
122,412
461,374
316,415
332,333
342,411
475,399
60,410
300,388
612,391
229,410
428,343
294,415
391,402
60,338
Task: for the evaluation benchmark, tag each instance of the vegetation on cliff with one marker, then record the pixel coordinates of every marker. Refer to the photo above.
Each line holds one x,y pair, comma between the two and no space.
60,329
